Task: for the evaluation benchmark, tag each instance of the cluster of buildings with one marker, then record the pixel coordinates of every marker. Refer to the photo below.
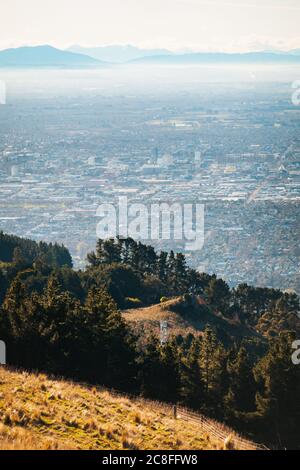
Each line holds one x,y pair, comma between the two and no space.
240,159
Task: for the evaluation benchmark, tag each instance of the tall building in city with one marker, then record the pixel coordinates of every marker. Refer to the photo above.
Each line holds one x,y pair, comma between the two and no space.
14,171
198,158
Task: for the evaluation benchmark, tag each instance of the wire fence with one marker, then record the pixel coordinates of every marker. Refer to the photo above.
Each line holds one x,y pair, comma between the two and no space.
217,430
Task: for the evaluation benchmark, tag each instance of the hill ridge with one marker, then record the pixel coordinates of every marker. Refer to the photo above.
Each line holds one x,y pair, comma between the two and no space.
183,318
44,56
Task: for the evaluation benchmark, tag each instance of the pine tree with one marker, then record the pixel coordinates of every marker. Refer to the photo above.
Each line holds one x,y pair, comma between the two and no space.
170,381
13,306
172,275
278,400
181,277
150,368
19,260
109,349
241,395
213,360
3,286
192,387
218,293
162,266
281,316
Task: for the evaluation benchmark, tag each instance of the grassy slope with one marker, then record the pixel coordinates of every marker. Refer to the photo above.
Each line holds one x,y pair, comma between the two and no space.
150,318
40,413
184,320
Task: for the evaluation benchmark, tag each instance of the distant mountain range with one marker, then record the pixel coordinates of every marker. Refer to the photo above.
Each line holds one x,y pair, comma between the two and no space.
128,53
223,58
119,53
45,56
80,57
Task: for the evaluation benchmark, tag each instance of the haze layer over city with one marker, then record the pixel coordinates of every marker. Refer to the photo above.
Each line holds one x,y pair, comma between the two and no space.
226,137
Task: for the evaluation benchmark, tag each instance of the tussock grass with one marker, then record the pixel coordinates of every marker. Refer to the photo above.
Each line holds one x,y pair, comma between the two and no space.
150,317
182,320
229,443
37,413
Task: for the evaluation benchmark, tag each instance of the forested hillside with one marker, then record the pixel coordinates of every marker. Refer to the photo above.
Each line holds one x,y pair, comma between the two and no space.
22,255
238,370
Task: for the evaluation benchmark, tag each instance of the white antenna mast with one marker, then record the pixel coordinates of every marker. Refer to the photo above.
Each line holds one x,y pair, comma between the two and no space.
163,332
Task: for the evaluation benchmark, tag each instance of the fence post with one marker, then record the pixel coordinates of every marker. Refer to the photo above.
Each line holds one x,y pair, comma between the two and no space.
2,353
175,411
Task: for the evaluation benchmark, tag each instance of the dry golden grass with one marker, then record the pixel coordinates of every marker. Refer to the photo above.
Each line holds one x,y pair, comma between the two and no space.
39,413
150,318
17,438
183,319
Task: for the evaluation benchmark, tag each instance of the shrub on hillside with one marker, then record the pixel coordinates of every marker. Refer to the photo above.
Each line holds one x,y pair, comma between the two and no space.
132,302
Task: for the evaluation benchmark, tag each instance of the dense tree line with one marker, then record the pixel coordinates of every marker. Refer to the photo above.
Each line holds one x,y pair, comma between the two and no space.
66,322
148,275
35,260
26,252
131,269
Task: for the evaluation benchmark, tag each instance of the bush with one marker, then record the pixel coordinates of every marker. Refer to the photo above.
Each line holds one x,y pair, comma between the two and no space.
132,302
163,300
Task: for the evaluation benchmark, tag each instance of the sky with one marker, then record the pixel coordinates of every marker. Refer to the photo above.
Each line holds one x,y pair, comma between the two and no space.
197,25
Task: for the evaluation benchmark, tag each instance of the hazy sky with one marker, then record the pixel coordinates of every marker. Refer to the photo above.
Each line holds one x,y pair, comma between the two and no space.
176,24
